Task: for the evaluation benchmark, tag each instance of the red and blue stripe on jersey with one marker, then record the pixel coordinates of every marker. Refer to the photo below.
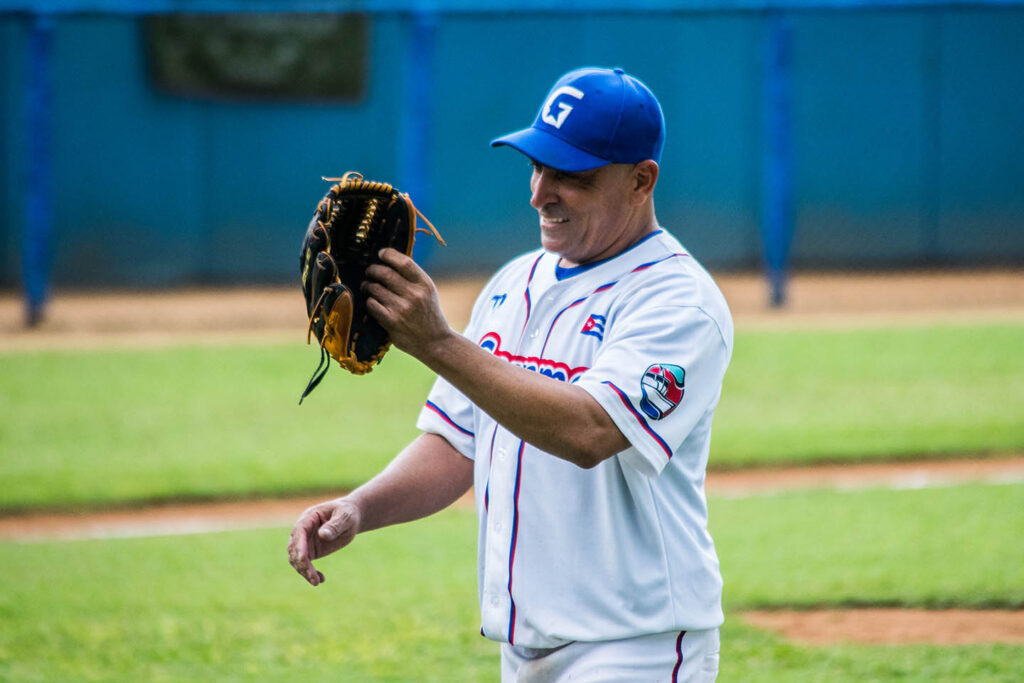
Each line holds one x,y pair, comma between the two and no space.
640,418
603,288
512,544
444,416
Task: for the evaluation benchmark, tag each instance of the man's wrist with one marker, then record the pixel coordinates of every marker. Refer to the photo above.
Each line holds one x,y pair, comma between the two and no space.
438,352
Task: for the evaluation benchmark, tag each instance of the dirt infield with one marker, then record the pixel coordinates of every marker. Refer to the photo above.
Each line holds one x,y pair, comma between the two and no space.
893,626
157,520
119,319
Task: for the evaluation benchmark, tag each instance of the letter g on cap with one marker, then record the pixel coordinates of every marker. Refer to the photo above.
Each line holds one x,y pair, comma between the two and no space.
564,109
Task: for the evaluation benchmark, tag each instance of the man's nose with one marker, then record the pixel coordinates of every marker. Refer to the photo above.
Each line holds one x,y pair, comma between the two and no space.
543,189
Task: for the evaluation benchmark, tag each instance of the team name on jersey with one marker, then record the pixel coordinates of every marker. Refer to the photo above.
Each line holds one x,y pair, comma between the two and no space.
545,366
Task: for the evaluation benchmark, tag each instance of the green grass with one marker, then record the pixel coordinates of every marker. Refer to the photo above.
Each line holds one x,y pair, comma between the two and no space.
91,427
949,547
749,654
400,603
940,547
87,427
792,396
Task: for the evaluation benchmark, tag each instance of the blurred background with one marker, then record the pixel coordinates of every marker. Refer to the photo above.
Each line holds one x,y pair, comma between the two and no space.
143,147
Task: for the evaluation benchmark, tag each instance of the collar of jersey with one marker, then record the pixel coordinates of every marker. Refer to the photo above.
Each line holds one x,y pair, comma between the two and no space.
562,273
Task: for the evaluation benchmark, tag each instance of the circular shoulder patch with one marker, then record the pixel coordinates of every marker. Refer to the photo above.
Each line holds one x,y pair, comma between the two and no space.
662,385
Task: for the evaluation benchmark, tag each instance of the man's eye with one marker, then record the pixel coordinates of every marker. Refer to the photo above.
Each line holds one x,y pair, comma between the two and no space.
577,179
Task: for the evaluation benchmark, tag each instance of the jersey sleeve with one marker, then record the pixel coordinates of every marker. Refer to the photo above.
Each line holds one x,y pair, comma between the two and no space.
448,413
657,374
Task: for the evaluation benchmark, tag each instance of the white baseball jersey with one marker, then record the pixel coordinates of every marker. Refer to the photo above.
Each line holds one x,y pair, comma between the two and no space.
622,549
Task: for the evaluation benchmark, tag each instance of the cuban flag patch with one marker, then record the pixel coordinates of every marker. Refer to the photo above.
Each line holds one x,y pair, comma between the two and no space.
594,326
662,385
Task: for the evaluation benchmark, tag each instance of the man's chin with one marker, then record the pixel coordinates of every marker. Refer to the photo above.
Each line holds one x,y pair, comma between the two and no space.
553,244
560,249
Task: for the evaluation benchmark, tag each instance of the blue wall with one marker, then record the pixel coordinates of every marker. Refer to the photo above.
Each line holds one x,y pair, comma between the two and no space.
908,139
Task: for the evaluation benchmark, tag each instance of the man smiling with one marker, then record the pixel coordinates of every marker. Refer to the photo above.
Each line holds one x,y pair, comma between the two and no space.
579,403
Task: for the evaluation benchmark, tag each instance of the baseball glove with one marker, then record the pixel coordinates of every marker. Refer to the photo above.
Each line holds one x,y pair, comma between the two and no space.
352,223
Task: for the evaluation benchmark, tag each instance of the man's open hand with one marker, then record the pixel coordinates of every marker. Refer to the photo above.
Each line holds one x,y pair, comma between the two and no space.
321,530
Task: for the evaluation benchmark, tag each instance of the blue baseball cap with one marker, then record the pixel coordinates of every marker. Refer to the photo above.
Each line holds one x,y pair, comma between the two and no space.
593,117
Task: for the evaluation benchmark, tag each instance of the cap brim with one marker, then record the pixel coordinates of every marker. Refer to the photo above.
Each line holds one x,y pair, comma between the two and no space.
550,150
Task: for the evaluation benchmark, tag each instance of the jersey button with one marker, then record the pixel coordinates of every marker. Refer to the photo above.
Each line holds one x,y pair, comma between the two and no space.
533,335
501,454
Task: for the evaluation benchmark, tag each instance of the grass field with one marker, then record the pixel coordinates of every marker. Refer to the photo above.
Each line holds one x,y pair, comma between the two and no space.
83,428
91,427
931,548
400,604
873,393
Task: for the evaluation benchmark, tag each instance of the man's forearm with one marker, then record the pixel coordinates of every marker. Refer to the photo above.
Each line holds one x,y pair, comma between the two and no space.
554,416
427,476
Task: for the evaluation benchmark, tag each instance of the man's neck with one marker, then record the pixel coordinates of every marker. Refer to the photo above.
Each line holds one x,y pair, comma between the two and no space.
630,238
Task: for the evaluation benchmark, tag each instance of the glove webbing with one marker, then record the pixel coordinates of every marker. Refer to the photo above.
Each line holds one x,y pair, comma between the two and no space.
354,180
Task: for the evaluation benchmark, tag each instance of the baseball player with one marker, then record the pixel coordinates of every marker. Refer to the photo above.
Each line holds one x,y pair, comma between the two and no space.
578,403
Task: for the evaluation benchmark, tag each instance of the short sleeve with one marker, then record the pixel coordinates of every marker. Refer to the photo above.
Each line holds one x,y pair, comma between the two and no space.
657,374
448,413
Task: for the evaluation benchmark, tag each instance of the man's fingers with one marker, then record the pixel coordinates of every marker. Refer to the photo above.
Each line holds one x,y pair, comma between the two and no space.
320,531
302,547
339,530
384,275
402,263
377,291
381,304
387,319
298,550
333,529
298,556
378,311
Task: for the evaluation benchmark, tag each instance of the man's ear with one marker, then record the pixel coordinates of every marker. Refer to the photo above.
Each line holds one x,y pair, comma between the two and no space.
645,177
